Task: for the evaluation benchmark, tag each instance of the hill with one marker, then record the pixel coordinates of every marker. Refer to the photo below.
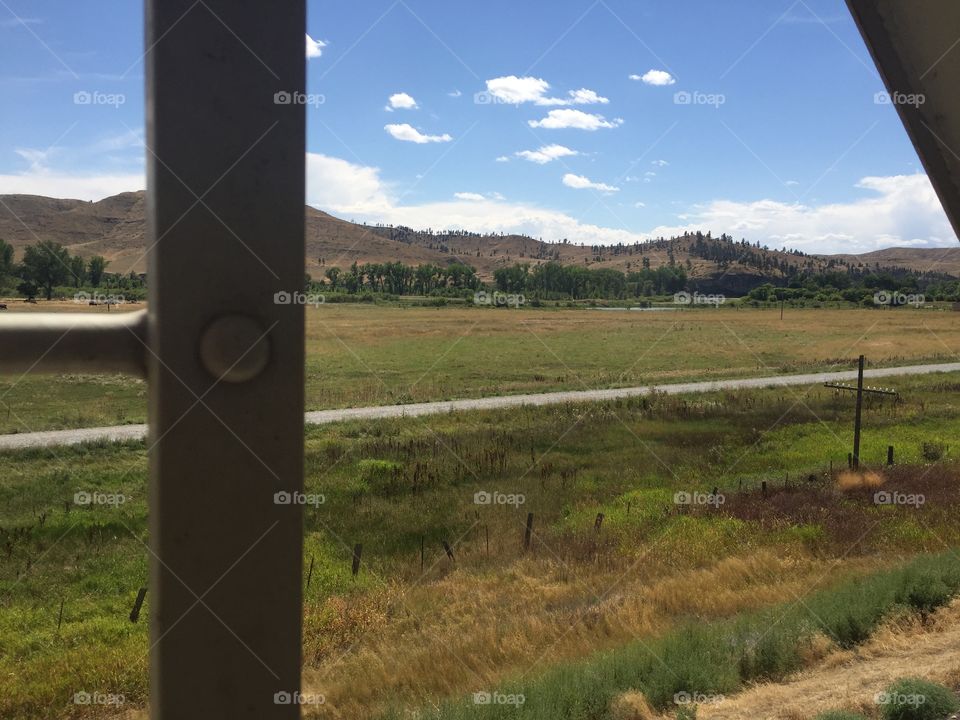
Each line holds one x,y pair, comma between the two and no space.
115,228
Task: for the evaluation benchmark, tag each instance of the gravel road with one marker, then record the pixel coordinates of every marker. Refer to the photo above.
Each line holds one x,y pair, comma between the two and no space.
322,417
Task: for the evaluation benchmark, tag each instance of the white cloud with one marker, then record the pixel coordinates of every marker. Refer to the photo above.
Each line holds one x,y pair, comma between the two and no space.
473,197
660,163
559,119
314,47
583,97
66,185
579,182
343,187
401,101
655,77
503,158
639,205
408,133
902,210
455,94
547,153
356,192
515,90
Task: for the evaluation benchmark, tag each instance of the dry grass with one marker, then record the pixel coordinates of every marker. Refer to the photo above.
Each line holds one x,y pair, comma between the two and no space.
849,679
632,706
860,480
469,632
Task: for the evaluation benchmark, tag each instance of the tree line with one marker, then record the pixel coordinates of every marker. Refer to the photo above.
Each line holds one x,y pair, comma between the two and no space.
395,278
47,266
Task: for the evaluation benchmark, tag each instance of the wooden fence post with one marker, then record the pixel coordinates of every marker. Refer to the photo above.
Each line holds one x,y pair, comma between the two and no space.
135,613
527,535
357,552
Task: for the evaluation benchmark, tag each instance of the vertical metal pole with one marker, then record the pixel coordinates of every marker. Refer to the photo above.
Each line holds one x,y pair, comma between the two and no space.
225,224
856,422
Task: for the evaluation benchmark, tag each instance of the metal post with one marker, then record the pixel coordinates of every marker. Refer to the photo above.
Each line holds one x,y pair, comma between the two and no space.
225,228
856,425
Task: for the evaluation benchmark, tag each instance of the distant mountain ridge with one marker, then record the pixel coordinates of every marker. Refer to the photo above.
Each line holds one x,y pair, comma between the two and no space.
115,228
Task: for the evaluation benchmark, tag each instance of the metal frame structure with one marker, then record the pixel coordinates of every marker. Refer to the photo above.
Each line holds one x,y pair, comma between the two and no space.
225,363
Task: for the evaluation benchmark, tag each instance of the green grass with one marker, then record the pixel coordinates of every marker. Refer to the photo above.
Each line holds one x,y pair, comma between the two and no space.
392,484
704,659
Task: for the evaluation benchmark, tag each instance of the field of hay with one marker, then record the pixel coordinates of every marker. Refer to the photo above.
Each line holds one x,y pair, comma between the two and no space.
360,355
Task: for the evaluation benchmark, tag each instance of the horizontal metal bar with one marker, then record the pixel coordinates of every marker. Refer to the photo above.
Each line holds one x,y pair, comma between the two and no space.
74,342
854,388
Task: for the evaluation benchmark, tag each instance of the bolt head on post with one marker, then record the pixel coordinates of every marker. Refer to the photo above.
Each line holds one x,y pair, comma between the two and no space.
235,348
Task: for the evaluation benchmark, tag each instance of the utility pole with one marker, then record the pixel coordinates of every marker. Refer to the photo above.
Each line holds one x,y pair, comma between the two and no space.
856,422
860,390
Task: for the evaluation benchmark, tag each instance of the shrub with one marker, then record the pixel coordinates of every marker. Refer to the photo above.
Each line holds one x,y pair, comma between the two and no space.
915,699
933,451
927,593
840,715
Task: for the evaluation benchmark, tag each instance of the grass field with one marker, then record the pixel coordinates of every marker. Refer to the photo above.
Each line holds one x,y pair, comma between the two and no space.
374,355
578,603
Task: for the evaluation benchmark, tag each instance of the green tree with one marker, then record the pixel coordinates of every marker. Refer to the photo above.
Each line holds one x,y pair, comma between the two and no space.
333,275
95,269
6,260
78,270
46,265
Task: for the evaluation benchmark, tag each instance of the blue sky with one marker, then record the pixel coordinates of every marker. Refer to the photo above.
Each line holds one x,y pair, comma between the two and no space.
598,121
